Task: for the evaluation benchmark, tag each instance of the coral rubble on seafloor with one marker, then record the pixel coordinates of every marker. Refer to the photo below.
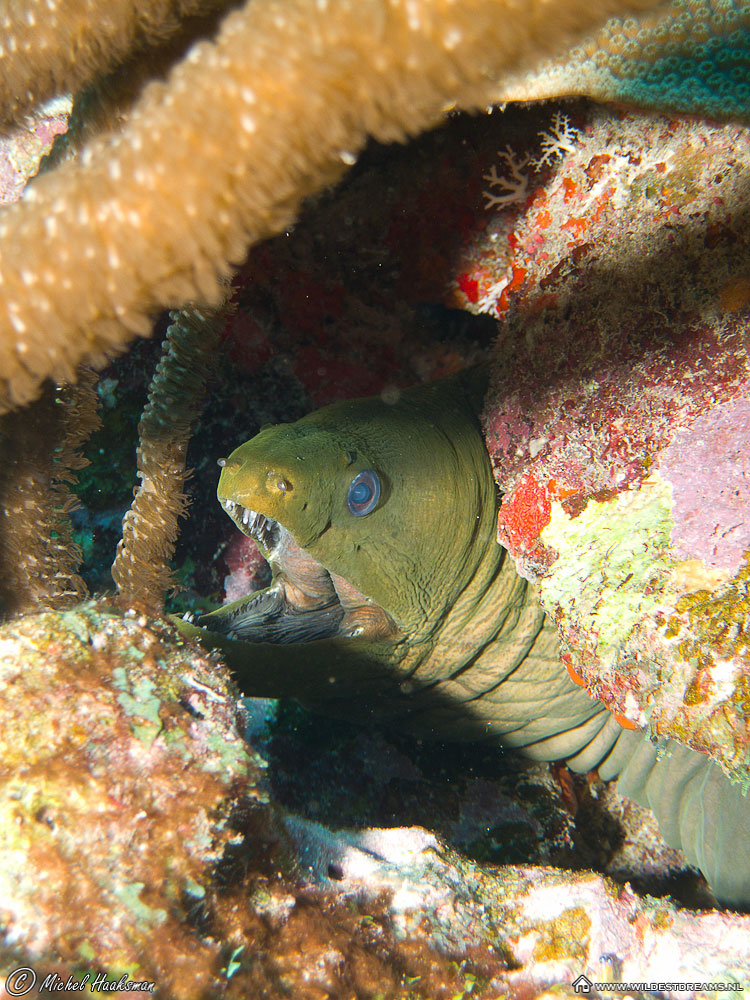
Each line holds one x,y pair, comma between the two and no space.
137,840
617,419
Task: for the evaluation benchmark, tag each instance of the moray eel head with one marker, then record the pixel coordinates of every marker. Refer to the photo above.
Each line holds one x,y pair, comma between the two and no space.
368,514
299,494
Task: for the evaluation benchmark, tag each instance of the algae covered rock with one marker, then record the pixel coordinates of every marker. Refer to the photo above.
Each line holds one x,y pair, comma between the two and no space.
617,419
122,764
527,928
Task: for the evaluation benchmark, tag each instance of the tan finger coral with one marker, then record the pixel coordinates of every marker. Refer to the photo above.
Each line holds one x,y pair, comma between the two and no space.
66,43
41,455
224,152
150,528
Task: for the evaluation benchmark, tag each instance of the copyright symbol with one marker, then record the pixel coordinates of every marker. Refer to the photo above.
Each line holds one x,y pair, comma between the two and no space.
20,981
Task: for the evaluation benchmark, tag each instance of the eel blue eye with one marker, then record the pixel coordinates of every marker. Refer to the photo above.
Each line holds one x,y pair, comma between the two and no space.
364,493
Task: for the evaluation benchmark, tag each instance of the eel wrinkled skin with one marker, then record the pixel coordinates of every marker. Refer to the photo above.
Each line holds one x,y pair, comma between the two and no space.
391,599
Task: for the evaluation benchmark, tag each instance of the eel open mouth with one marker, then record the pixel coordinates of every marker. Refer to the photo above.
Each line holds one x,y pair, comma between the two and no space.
303,603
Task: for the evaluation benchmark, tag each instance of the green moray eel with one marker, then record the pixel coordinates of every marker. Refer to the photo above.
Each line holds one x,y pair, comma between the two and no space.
391,599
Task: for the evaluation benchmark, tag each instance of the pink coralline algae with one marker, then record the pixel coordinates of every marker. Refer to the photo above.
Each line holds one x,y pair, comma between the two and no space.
618,413
22,149
712,502
602,361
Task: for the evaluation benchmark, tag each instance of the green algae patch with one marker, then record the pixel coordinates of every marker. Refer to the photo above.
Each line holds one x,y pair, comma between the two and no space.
612,560
227,756
76,624
144,702
130,895
106,779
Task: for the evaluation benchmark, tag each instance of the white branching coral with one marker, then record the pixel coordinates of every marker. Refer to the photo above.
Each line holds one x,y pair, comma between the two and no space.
560,139
510,189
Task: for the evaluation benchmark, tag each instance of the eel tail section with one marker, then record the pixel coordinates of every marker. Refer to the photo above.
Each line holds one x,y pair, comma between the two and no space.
697,807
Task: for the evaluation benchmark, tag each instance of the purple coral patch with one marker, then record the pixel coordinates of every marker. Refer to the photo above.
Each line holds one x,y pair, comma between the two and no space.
712,499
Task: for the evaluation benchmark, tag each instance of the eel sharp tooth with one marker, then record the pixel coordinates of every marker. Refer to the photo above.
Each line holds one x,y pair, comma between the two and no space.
246,515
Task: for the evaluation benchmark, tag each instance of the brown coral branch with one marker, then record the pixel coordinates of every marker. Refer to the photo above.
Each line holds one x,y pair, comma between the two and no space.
67,43
41,454
105,105
141,568
223,154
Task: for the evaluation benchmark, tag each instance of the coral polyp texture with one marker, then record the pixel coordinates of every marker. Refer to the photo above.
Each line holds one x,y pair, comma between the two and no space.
271,108
141,568
122,764
74,41
617,420
690,56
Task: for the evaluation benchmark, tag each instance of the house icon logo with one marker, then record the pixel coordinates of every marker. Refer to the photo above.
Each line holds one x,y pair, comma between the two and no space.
582,985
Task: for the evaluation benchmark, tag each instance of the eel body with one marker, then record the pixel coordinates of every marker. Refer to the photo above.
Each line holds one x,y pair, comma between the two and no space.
391,599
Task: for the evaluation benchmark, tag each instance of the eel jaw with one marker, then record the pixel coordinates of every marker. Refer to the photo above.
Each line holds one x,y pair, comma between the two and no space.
304,602
263,529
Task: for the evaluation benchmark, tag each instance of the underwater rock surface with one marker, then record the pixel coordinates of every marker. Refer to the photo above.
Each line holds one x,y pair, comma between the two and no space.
22,148
137,839
122,764
617,420
548,926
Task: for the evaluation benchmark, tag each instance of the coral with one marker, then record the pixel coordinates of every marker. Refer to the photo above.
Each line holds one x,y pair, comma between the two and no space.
617,419
141,568
689,56
76,41
122,766
559,140
223,153
41,445
511,189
